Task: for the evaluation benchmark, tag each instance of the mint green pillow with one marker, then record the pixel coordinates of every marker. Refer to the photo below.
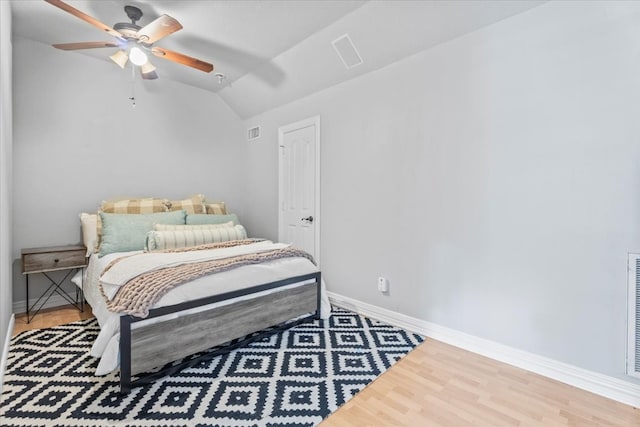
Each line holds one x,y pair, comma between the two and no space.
211,219
128,232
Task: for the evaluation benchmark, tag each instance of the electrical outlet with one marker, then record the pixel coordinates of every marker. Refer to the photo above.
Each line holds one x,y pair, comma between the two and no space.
383,284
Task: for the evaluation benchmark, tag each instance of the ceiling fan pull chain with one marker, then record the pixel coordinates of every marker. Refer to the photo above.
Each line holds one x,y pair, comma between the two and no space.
133,87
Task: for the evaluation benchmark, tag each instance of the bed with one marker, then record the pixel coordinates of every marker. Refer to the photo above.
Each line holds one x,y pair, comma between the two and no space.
255,298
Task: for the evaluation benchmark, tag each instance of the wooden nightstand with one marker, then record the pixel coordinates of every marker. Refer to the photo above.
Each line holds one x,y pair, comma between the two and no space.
54,258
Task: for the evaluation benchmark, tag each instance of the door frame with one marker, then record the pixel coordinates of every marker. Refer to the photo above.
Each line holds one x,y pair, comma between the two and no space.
315,120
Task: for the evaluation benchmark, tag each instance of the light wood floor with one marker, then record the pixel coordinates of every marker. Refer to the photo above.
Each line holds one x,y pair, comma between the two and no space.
51,317
441,385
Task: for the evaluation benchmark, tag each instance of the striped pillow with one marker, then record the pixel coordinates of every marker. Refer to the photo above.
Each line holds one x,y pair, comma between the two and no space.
193,205
161,240
170,227
217,208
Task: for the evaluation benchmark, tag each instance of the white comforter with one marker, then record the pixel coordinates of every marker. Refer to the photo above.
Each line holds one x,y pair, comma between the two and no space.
106,346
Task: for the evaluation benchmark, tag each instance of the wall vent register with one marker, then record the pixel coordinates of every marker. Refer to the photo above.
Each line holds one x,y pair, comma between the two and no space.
253,133
347,51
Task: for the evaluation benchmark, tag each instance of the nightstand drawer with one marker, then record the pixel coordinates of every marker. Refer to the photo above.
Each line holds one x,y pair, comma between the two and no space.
50,259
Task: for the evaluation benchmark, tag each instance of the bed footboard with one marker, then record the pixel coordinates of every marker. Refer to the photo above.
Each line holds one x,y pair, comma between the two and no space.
147,346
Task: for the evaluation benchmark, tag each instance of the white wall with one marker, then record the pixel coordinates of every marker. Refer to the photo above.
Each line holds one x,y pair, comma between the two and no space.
77,141
493,179
5,175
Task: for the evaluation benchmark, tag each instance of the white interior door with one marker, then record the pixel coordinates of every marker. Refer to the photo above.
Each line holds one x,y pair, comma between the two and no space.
299,185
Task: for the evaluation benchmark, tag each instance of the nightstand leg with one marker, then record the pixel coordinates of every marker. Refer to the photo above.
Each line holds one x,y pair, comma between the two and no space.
27,278
55,287
82,290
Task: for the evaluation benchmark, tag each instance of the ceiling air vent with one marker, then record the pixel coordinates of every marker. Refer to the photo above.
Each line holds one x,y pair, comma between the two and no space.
347,51
253,133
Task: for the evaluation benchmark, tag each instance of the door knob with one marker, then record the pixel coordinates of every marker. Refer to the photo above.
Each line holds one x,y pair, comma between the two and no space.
308,219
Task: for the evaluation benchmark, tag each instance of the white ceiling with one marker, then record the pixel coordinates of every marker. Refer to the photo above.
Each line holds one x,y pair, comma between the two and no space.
271,51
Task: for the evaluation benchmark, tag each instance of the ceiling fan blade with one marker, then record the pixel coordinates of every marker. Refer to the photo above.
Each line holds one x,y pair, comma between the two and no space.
161,27
84,45
182,59
91,20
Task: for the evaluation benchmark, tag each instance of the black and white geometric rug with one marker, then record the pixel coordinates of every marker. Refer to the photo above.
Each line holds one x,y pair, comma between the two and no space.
293,378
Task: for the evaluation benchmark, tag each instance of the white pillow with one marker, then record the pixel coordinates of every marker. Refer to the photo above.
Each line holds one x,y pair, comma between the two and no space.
89,224
172,227
161,240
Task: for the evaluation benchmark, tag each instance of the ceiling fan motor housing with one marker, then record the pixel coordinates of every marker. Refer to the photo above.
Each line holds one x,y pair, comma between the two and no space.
129,31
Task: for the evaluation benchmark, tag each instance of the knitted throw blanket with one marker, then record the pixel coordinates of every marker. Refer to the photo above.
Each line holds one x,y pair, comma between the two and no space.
138,295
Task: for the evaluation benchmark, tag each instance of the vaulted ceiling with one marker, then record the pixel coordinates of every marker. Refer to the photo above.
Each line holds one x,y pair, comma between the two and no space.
271,52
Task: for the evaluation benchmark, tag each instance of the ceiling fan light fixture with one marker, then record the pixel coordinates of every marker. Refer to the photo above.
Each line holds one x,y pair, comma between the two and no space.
147,67
152,75
137,56
120,58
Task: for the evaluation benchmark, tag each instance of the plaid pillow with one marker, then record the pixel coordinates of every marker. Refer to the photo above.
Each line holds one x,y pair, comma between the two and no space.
217,208
136,206
193,205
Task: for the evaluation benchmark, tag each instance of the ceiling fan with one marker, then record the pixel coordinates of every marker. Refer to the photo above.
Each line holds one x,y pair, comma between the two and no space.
134,40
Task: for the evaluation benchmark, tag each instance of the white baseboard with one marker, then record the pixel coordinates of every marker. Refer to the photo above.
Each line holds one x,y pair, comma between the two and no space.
54,301
603,385
5,349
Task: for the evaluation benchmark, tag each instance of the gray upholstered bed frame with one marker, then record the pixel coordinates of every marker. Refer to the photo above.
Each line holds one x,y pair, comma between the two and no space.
145,347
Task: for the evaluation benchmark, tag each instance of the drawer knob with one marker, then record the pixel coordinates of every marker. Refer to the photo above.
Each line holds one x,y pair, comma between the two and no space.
56,260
